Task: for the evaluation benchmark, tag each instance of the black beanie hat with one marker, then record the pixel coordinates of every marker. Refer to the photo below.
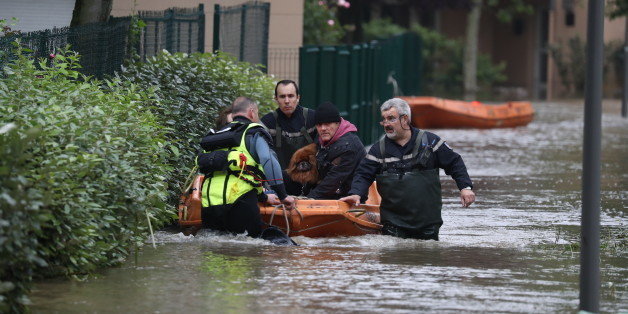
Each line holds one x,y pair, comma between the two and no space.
325,113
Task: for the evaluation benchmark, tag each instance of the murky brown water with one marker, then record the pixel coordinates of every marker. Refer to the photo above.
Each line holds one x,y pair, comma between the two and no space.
509,252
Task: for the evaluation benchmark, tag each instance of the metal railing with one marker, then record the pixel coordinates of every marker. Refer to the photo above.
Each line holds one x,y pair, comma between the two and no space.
242,31
174,30
283,63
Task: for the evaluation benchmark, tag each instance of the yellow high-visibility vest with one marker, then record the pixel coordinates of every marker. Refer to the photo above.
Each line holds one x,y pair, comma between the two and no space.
225,187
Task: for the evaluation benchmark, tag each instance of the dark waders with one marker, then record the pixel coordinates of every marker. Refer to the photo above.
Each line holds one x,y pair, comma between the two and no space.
285,146
411,199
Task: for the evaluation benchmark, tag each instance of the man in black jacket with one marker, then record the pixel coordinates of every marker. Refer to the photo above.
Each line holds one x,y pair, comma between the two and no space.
291,126
405,164
339,154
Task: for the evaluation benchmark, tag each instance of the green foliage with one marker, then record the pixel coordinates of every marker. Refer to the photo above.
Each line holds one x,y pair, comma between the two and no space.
443,64
505,10
614,63
571,64
192,89
616,8
135,31
570,61
80,190
320,24
18,220
381,29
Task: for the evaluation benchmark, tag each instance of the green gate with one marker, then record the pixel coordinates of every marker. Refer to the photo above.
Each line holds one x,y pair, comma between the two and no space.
242,31
358,78
174,29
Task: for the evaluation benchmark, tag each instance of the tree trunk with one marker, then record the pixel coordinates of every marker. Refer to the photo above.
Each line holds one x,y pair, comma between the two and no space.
471,51
90,11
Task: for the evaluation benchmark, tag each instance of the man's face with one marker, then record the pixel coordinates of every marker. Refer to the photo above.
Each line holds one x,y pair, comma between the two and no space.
287,98
393,124
327,130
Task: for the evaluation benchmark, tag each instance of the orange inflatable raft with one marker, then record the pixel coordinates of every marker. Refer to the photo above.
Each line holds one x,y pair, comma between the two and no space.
432,112
310,218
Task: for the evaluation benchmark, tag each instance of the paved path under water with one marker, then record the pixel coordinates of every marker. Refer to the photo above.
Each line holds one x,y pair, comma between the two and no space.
515,250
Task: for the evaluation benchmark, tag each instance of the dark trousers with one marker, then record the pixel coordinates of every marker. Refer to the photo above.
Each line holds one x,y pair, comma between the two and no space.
241,216
426,233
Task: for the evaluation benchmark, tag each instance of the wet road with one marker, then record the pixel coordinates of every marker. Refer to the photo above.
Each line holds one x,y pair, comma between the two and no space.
515,250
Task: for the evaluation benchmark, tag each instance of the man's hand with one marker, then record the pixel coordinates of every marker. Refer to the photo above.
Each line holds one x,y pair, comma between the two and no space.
289,202
467,197
351,199
273,199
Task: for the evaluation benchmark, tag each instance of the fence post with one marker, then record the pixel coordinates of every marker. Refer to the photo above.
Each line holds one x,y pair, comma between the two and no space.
43,44
169,16
266,7
201,28
216,27
242,30
308,63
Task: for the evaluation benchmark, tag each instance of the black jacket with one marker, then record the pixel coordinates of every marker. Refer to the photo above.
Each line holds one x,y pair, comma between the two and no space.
336,165
292,124
442,157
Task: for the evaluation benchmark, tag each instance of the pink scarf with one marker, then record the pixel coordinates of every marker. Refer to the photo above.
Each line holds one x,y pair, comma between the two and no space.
344,128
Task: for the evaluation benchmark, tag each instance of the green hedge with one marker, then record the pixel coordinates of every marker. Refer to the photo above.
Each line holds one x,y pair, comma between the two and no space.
192,89
18,218
78,194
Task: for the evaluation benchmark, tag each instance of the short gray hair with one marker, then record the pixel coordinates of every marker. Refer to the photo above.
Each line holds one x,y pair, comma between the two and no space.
401,105
242,104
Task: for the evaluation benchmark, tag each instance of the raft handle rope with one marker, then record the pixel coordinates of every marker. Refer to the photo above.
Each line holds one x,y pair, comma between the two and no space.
189,180
150,227
285,215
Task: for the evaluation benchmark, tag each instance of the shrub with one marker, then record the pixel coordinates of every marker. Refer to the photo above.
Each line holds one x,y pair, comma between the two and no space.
91,177
192,89
571,64
443,65
18,221
381,29
320,24
570,61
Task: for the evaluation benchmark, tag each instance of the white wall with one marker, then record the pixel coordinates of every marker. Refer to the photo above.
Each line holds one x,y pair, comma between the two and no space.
37,15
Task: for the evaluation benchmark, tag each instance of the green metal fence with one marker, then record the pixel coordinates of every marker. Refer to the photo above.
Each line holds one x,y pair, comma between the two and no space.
242,31
358,78
104,46
175,30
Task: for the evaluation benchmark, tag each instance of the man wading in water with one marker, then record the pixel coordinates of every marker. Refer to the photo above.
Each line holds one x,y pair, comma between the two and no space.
405,164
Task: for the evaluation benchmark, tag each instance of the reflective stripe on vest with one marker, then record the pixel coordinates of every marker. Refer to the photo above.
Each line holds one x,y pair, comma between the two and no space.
225,187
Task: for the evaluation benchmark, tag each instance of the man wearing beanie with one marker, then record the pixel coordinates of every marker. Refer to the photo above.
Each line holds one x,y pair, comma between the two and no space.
340,151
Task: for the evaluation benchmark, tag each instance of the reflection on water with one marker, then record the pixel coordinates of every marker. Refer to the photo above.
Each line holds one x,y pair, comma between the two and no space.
515,250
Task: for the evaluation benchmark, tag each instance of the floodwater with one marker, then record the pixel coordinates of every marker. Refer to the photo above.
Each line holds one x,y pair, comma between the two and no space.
515,250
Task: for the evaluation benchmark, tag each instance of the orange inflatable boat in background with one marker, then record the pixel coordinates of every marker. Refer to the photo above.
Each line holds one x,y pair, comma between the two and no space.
311,218
432,112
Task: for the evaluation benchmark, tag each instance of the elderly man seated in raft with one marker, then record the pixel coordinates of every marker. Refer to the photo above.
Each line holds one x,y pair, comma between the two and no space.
326,167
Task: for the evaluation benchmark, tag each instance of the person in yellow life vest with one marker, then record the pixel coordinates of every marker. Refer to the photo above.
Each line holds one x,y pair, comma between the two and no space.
236,160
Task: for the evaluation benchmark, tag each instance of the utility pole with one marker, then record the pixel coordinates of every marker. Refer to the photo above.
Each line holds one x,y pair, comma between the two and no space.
624,100
590,229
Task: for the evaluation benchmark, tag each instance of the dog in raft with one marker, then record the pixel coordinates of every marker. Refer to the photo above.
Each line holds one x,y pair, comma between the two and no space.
303,167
